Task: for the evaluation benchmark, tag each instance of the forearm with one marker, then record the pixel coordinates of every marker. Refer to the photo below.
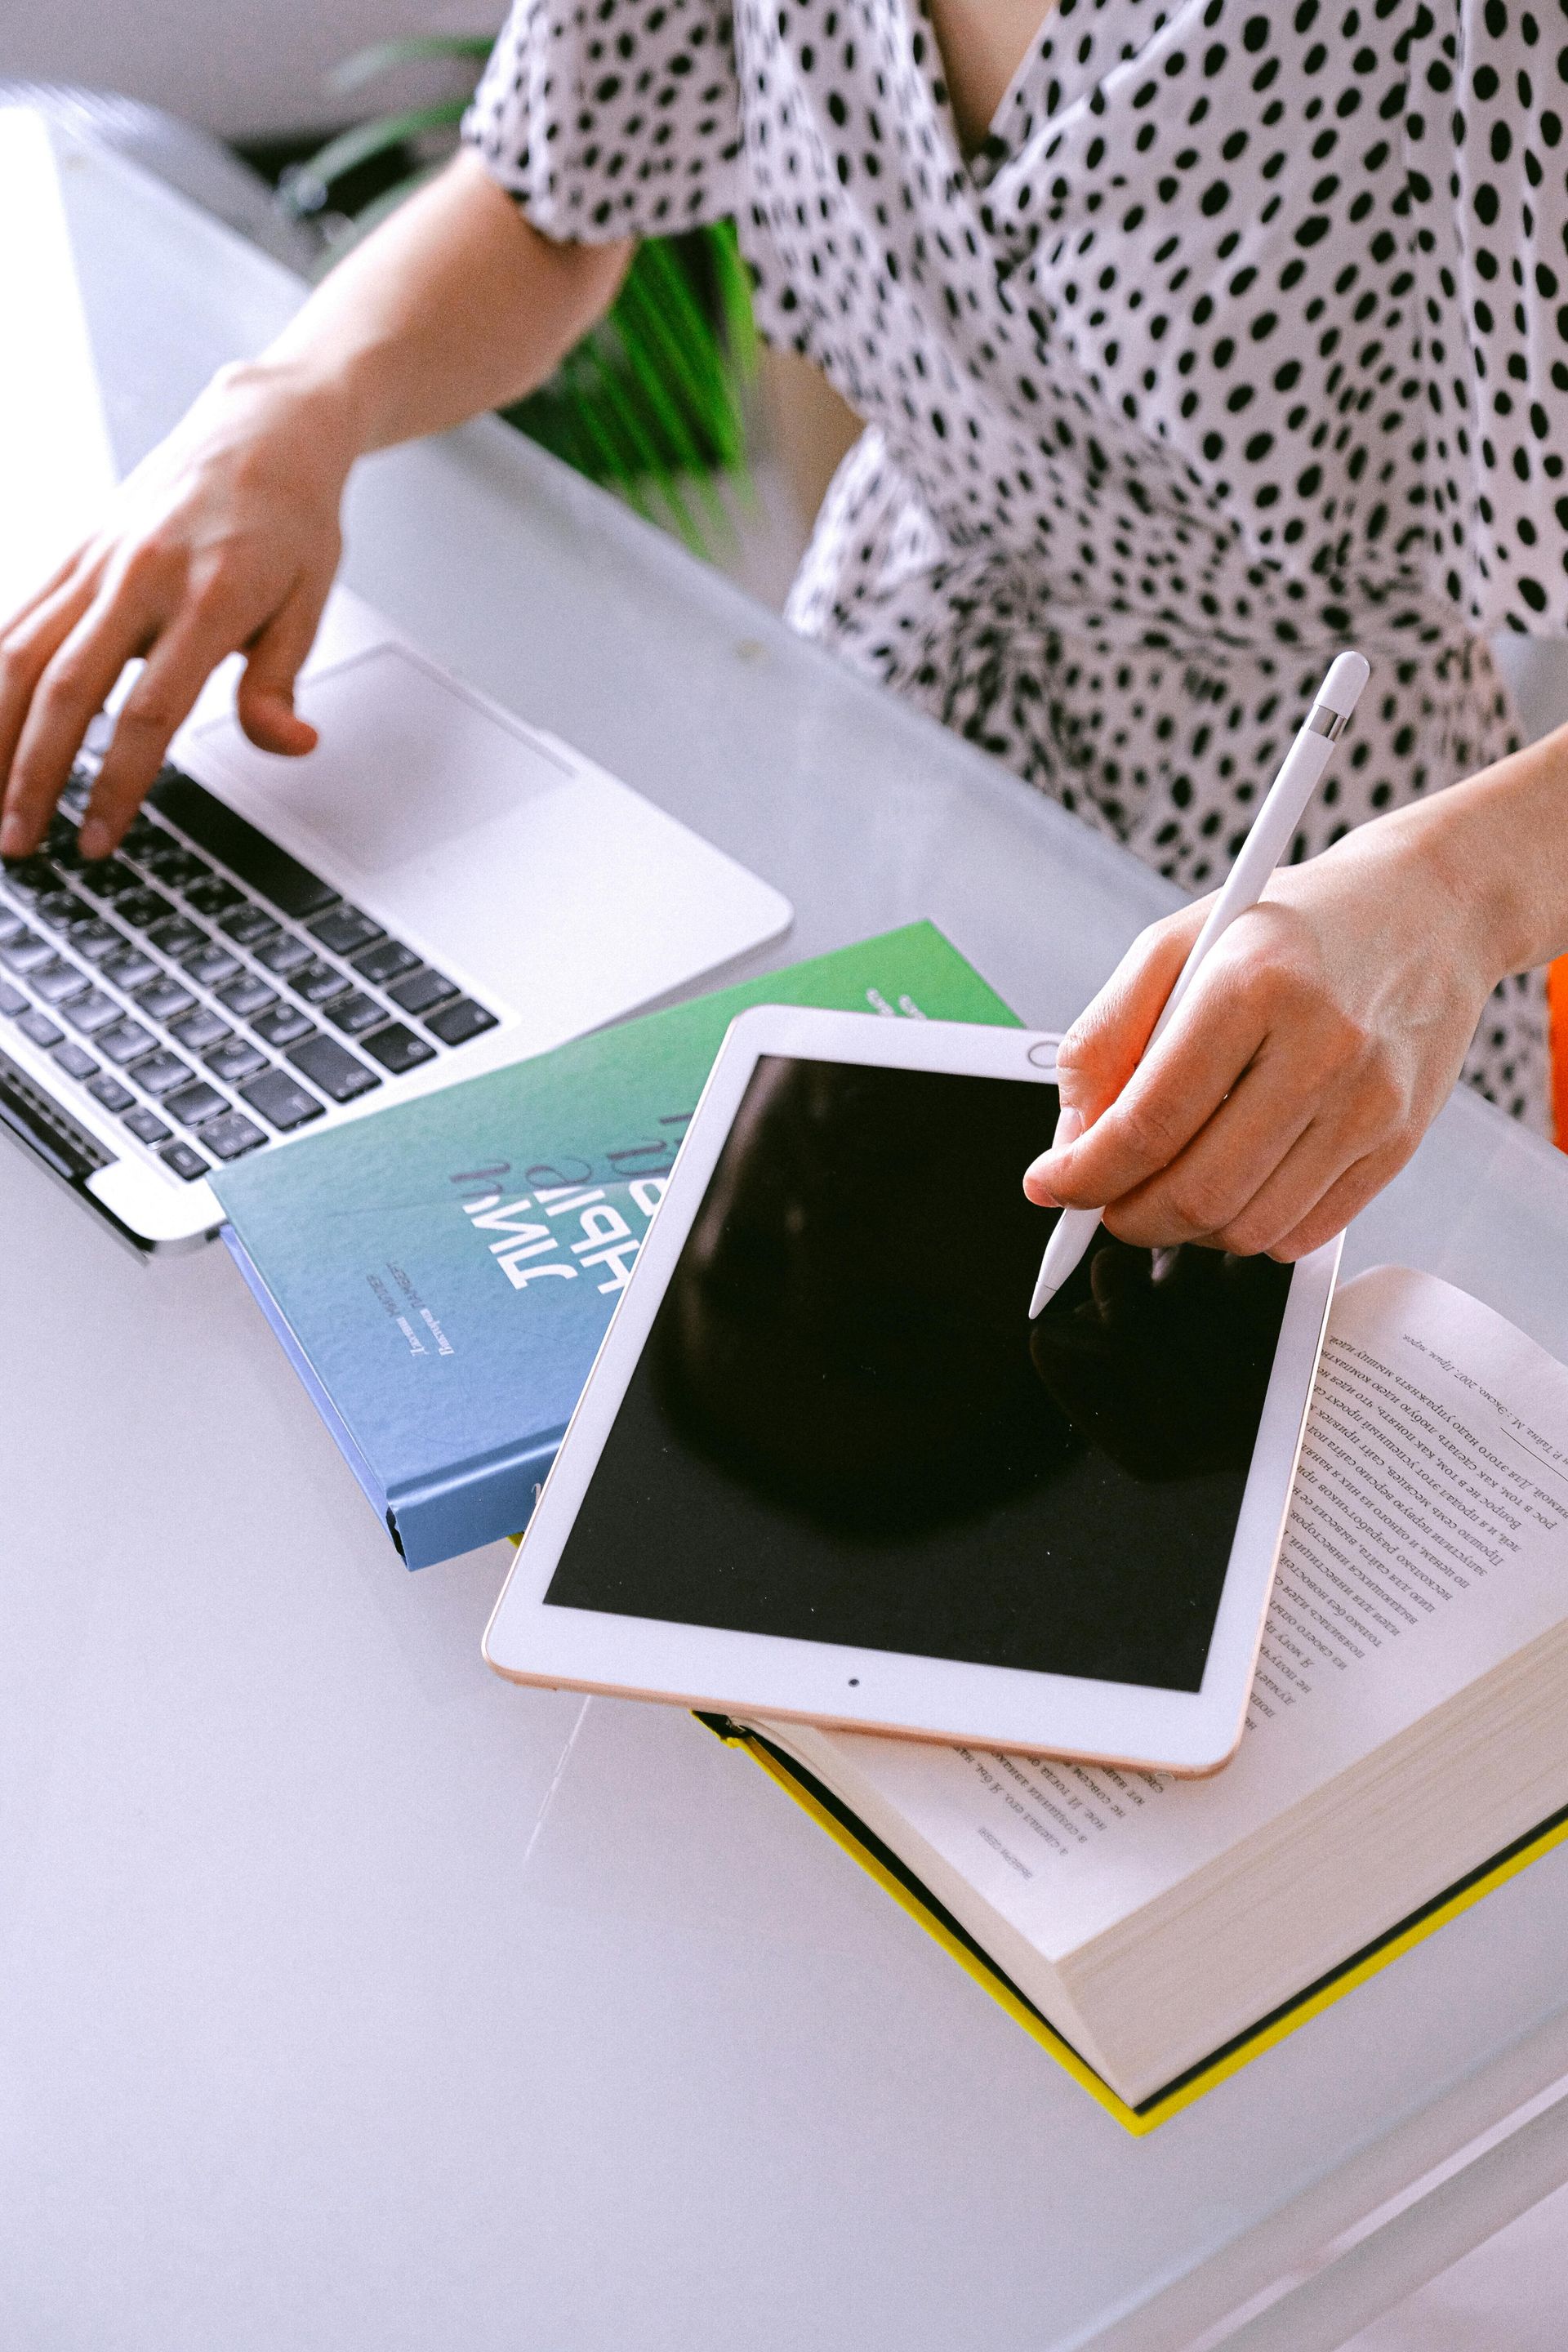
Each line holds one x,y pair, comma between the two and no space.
455,304
225,537
1496,847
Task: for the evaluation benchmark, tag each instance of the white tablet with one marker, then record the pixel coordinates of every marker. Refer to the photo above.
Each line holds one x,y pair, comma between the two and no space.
826,1468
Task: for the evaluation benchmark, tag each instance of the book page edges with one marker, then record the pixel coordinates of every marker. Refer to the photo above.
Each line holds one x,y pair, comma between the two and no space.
1495,1733
1156,1964
1150,2112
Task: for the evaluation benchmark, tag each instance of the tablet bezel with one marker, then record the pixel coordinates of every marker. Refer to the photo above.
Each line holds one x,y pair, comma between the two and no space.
895,1693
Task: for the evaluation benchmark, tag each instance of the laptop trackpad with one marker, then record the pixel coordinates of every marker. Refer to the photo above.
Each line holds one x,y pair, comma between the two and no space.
538,880
407,763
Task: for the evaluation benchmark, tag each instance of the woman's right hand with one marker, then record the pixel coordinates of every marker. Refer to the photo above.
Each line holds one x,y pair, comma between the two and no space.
225,539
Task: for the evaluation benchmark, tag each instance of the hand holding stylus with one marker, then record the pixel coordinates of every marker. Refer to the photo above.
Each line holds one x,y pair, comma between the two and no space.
1301,1058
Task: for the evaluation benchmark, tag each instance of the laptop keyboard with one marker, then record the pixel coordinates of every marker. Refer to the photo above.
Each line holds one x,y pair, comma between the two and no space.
203,987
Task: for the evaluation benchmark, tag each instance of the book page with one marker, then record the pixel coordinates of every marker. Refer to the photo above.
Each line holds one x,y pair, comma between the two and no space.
1427,1540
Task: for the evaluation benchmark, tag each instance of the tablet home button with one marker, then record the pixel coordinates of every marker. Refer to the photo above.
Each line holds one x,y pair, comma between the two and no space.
1042,1053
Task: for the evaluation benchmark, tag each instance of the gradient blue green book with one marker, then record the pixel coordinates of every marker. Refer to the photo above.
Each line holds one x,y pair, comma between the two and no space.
441,1274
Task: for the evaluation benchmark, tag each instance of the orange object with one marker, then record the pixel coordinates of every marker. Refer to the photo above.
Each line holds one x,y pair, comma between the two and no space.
1557,999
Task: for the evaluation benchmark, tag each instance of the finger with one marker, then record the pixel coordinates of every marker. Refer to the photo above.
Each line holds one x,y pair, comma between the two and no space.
1104,1045
172,676
1343,1200
265,701
1168,1099
1307,1176
1361,1125
25,652
1068,1128
69,693
1213,1184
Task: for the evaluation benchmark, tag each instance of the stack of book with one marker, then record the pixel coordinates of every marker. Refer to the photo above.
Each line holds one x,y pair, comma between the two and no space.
441,1277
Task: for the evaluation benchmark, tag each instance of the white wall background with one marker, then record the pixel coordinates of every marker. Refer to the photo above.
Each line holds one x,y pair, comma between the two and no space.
244,67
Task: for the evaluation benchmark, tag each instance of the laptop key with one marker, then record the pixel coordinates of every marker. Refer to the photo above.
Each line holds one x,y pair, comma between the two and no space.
332,1067
40,1028
228,1136
31,878
176,938
174,866
345,931
164,997
421,990
282,1024
190,1105
26,951
142,908
245,851
236,1057
286,954
213,895
385,963
108,878
129,968
248,924
110,1093
141,836
11,923
94,938
74,1061
185,1159
161,1072
211,963
124,1041
318,983
355,1013
281,1100
245,994
397,1048
58,981
198,1030
146,1125
92,1012
12,999
59,907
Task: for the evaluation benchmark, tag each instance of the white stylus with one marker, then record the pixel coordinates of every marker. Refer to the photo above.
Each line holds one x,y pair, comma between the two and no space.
1272,831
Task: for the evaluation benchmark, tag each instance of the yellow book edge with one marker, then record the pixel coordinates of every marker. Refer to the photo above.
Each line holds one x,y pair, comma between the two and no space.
907,1891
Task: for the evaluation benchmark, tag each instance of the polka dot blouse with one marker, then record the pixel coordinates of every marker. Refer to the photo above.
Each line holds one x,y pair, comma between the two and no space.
1244,335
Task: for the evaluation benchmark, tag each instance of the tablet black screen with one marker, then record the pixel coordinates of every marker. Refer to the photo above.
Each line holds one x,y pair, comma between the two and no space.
843,1427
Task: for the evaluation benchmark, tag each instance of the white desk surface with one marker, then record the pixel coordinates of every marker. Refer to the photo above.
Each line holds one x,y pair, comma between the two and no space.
311,2035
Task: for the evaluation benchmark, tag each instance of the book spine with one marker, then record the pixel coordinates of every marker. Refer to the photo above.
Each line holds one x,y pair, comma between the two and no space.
283,1333
466,1505
435,1518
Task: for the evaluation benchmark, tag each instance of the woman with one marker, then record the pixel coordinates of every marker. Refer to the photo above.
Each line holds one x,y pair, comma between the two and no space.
1195,342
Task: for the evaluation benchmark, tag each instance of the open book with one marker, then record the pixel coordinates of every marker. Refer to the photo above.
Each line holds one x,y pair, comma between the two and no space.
1409,1718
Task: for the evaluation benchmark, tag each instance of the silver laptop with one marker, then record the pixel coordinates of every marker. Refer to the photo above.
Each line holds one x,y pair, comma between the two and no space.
282,945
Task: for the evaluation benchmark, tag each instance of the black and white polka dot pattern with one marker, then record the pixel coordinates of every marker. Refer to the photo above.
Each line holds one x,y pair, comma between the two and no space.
1244,336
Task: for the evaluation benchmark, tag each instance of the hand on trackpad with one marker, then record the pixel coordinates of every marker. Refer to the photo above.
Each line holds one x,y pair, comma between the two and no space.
406,763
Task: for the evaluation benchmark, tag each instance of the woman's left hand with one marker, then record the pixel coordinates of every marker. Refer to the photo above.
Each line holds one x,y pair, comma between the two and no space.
1317,1043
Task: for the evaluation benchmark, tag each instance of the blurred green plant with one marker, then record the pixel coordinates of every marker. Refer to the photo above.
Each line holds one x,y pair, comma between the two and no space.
652,401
